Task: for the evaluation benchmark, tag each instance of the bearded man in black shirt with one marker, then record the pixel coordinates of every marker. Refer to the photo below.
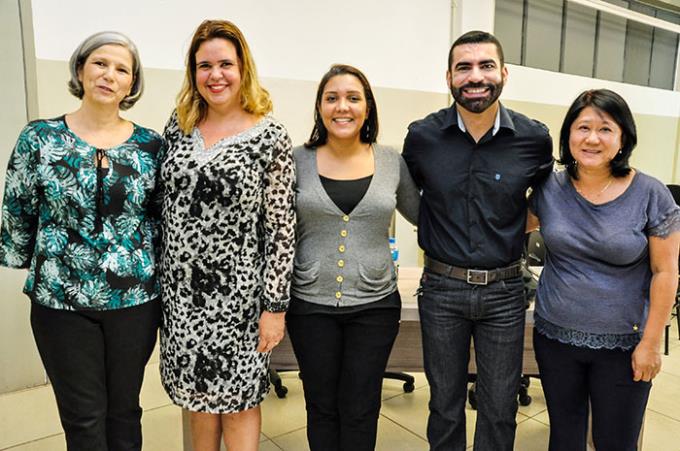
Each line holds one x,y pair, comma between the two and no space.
474,162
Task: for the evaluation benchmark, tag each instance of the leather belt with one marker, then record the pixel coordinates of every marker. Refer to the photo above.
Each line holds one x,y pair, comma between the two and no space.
473,276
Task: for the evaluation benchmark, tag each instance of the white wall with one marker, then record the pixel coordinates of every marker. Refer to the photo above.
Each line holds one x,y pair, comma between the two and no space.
541,86
20,365
397,43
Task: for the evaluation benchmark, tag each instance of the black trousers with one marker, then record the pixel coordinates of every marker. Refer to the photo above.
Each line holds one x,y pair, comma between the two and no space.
95,361
571,376
342,358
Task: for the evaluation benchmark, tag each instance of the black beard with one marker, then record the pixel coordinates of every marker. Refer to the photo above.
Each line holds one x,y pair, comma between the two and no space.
477,105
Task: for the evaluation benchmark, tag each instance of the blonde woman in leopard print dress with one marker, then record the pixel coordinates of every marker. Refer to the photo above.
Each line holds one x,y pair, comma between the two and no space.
228,233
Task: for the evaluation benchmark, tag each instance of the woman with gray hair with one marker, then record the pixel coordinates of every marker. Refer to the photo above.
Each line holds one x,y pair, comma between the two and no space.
77,215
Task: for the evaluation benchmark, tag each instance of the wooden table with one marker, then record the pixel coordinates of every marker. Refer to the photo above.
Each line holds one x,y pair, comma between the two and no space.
407,353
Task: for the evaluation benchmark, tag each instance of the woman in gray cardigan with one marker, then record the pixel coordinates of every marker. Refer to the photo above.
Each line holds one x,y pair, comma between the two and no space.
345,307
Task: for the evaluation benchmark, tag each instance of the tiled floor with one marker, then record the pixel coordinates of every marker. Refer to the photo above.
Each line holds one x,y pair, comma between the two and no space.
29,422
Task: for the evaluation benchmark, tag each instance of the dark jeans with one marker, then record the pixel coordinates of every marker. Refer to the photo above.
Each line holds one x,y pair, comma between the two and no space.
342,358
571,376
95,361
451,312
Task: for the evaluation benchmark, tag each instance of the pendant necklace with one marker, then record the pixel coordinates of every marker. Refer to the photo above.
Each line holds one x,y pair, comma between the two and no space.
611,179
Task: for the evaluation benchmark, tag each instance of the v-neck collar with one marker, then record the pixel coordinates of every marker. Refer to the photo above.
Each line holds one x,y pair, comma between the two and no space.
318,186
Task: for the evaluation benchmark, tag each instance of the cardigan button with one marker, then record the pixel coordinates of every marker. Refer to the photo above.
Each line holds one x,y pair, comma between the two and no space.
338,295
341,263
343,233
345,218
339,279
341,248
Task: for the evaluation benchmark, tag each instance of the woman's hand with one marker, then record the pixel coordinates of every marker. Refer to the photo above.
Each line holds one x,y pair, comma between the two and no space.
646,362
271,330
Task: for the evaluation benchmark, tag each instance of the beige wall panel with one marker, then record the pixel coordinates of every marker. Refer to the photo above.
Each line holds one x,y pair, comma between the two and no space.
20,366
657,146
656,150
152,110
550,115
676,166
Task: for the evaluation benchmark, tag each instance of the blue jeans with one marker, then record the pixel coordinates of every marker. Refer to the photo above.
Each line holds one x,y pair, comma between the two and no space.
451,312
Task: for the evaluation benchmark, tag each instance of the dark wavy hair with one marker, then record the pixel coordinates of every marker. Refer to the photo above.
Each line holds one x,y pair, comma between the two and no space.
613,104
369,130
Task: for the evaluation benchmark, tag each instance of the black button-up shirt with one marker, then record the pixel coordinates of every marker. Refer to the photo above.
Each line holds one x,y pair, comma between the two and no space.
473,207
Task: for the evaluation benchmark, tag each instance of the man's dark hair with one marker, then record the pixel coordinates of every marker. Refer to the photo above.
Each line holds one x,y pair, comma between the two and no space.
477,37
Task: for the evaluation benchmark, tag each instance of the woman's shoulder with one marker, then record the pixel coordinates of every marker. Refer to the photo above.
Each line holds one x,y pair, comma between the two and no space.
172,131
304,156
38,131
145,133
386,151
556,180
270,123
648,182
387,155
555,186
42,126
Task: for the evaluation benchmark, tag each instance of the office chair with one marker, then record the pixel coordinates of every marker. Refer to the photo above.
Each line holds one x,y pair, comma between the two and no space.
675,192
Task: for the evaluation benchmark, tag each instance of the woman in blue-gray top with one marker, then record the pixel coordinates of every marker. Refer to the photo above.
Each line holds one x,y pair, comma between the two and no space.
609,279
345,307
76,213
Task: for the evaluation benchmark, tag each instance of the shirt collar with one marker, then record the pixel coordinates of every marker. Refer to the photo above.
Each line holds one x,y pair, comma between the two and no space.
502,120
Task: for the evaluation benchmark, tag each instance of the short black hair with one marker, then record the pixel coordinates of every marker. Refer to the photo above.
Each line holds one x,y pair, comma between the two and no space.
369,130
477,37
613,104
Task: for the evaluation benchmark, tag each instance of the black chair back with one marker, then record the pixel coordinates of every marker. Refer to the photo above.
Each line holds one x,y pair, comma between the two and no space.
535,249
675,191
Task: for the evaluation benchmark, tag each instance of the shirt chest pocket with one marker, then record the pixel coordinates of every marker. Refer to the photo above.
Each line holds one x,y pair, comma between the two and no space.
506,191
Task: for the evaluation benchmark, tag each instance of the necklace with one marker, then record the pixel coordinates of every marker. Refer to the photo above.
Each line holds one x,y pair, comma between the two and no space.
611,179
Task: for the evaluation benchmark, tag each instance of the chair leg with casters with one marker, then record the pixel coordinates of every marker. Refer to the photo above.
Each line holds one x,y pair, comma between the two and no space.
275,379
523,396
409,381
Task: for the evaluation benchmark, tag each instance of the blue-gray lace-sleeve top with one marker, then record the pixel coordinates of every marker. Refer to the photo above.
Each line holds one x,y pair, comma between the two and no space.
86,236
594,288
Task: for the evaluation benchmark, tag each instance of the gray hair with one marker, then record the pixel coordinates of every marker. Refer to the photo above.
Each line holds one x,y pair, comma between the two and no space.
91,44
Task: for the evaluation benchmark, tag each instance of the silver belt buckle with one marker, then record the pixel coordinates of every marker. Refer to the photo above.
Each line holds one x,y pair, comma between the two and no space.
477,273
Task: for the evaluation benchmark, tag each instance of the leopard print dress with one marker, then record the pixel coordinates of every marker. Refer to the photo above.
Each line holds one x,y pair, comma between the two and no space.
228,241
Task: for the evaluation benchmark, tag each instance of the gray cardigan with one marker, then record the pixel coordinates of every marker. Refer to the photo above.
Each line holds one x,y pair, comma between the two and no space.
344,260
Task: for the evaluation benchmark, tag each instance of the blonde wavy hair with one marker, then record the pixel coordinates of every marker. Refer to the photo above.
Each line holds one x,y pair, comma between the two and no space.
191,107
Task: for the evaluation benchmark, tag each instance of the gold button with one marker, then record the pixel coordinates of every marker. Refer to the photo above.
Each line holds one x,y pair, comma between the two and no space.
345,218
339,279
338,295
341,248
341,263
343,233
635,327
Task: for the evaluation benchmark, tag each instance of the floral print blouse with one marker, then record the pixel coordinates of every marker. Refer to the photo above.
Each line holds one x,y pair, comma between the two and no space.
86,234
